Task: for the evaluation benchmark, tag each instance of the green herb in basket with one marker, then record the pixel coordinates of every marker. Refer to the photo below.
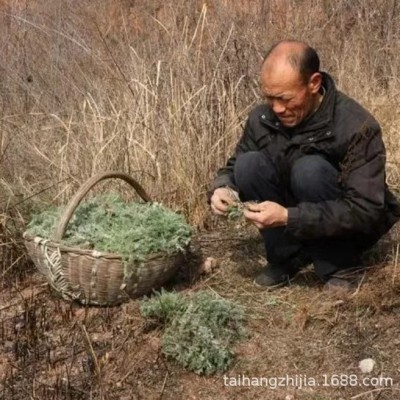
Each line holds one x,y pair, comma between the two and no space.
106,223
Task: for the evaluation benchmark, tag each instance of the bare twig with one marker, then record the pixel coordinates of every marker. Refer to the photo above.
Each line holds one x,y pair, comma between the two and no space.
95,360
395,263
35,194
163,386
357,396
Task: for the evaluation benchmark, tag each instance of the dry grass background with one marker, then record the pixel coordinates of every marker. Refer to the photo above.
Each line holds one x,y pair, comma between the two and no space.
160,90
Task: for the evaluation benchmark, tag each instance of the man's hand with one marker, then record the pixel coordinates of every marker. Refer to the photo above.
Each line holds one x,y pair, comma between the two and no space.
221,199
266,214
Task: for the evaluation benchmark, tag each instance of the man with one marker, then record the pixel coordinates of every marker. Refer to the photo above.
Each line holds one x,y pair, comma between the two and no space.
312,162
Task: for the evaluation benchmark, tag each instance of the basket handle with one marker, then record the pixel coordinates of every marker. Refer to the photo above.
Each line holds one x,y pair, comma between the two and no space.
84,189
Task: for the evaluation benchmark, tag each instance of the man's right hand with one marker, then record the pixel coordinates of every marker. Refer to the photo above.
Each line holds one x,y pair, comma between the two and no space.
222,198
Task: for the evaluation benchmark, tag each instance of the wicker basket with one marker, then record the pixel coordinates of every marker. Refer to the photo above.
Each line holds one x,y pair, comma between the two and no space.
93,277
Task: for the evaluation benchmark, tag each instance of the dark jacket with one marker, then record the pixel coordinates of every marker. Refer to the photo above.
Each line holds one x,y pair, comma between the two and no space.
346,135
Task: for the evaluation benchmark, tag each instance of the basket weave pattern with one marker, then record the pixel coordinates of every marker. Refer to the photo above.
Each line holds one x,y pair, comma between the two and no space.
93,277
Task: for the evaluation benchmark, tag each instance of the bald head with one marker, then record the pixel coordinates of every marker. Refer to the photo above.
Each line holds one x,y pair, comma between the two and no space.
294,55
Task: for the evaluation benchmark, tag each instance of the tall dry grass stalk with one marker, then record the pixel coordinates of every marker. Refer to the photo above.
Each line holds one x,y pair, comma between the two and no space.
161,89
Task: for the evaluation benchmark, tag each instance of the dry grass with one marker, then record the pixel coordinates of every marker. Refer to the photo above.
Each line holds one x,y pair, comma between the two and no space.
160,90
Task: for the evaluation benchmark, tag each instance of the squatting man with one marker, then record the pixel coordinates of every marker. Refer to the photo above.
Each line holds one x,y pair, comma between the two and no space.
311,164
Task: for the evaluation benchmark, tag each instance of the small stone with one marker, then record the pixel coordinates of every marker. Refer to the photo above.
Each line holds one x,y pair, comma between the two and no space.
8,345
208,266
18,326
367,365
289,397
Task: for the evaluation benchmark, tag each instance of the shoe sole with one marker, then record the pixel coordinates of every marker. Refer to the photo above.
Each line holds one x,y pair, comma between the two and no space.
286,282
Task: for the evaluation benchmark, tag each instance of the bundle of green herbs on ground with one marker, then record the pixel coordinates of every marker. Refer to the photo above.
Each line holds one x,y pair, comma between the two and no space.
199,330
106,223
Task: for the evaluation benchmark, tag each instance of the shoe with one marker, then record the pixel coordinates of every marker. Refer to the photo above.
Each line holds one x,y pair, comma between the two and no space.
344,279
274,276
335,284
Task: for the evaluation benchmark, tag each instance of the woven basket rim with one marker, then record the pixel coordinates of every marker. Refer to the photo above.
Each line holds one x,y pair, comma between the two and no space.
94,252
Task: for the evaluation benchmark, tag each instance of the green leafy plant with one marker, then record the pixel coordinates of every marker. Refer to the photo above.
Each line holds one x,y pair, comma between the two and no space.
235,211
199,331
164,306
106,223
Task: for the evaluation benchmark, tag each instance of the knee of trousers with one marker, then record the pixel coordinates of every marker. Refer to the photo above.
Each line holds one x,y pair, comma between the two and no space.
252,168
314,176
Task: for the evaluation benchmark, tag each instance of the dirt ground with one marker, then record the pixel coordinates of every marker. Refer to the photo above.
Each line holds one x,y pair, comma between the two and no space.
304,343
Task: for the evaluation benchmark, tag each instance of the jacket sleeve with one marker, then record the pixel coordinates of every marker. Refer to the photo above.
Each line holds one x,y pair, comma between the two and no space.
225,175
361,206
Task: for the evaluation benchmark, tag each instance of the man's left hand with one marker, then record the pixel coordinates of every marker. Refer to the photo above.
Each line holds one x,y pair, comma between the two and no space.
266,214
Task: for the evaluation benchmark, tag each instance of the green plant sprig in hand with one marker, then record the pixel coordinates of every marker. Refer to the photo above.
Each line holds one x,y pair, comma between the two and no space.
235,211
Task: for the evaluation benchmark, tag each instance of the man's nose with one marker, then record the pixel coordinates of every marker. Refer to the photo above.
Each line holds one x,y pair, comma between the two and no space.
278,107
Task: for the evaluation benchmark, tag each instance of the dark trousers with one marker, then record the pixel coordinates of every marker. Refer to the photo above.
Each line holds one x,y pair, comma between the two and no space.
312,179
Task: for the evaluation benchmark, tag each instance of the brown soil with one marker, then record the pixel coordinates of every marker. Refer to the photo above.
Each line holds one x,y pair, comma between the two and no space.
51,349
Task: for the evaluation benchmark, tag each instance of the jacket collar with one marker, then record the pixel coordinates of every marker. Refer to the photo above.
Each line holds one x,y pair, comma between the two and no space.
321,118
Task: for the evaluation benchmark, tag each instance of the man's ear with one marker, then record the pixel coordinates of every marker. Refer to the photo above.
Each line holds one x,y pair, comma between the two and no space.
315,82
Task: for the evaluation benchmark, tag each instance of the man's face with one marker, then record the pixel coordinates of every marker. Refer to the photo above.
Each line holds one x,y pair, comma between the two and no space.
290,98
